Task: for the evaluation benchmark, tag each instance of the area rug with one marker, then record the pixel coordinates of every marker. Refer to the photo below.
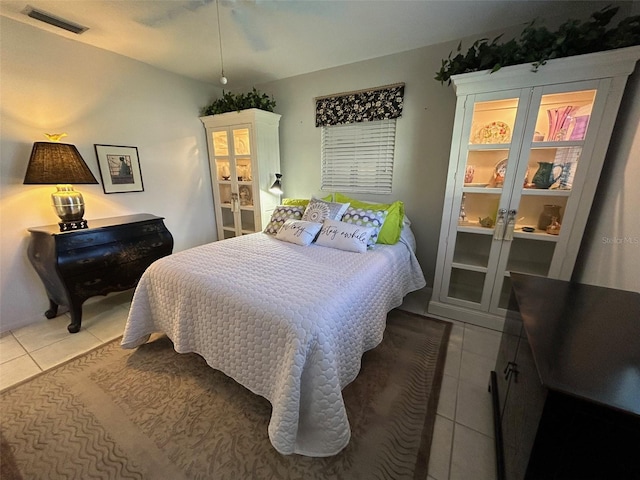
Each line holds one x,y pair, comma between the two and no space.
152,413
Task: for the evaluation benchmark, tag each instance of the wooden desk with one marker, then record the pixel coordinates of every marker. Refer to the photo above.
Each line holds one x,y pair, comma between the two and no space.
109,256
566,387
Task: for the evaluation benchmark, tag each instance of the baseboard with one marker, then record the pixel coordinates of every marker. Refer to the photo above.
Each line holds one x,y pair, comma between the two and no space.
451,312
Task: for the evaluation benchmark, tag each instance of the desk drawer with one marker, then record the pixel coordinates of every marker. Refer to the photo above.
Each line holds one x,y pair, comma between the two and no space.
101,236
103,281
112,255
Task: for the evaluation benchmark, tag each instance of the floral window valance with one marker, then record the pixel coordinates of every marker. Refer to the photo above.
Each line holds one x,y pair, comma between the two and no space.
362,106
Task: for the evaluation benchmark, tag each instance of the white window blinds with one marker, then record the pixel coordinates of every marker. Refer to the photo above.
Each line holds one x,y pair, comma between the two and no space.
358,157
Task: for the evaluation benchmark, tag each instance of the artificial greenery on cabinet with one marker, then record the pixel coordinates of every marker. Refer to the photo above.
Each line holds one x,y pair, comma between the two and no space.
231,102
537,44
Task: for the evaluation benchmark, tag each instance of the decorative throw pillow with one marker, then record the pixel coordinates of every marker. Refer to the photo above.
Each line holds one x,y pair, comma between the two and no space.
302,202
344,236
280,215
319,210
298,232
390,231
366,217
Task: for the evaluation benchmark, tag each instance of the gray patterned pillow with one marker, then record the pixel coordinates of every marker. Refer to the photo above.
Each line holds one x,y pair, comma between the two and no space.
366,218
319,210
281,214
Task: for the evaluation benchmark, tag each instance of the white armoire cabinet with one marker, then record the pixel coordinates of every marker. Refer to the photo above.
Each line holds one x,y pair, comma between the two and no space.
526,156
244,156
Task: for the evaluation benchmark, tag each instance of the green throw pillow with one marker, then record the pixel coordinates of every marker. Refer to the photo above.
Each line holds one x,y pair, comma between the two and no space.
300,202
303,202
390,231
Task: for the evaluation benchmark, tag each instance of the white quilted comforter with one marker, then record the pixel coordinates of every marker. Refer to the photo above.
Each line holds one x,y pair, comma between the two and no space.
290,323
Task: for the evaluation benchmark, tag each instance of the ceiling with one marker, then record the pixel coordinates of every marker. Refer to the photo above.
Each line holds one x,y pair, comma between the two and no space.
266,40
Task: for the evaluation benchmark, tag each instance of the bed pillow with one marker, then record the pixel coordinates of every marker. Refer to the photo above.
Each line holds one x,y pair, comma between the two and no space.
366,217
318,210
298,232
280,215
301,202
390,231
344,236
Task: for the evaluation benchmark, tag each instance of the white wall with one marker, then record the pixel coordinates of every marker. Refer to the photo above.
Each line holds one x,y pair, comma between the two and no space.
52,84
610,253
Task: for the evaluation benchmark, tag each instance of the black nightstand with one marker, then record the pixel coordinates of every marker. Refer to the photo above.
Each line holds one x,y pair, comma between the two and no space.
109,256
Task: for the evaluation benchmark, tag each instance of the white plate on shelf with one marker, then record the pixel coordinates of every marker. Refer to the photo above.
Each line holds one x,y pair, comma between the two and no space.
476,184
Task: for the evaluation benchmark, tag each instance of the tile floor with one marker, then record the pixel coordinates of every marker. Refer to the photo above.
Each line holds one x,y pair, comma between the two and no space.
462,445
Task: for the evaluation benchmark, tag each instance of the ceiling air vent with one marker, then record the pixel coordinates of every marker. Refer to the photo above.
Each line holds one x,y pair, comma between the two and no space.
53,20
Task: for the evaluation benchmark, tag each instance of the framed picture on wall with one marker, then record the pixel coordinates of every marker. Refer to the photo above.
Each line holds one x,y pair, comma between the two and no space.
119,168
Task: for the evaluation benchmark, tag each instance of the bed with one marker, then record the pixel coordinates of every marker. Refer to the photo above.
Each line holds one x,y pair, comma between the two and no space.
288,322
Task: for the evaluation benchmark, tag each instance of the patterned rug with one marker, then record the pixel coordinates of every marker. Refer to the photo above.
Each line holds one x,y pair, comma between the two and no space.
152,413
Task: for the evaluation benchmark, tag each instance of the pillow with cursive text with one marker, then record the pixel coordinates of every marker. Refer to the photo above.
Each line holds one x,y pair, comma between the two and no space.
344,236
299,232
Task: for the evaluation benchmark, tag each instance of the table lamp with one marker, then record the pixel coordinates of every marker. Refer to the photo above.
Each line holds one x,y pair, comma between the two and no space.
276,188
60,164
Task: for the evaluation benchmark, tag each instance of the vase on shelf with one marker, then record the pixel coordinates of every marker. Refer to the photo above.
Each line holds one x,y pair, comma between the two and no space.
559,123
544,176
550,213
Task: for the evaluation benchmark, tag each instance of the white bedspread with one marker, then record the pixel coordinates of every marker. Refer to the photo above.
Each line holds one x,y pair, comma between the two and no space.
288,322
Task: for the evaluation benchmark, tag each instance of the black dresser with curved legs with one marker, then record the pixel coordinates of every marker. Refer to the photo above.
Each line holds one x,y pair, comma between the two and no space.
109,256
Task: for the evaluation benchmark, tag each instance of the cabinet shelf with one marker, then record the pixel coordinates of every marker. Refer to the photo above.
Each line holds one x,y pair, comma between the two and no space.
561,144
489,146
469,266
487,190
539,235
474,227
546,192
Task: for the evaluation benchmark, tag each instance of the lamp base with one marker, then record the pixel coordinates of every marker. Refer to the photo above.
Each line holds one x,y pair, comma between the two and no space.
77,225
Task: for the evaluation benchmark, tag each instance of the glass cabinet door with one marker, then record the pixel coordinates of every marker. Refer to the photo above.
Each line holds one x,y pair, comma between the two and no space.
487,162
242,149
553,145
234,179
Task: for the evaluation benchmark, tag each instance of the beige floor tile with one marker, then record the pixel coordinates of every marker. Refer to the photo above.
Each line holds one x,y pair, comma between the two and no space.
474,408
447,400
10,348
476,368
457,334
16,370
71,346
481,341
452,364
473,455
104,320
109,328
43,333
440,455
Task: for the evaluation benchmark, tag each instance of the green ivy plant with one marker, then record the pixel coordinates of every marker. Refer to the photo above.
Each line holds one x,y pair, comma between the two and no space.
537,44
235,102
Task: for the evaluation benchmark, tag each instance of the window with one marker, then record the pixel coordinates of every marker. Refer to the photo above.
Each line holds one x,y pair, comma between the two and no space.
358,157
